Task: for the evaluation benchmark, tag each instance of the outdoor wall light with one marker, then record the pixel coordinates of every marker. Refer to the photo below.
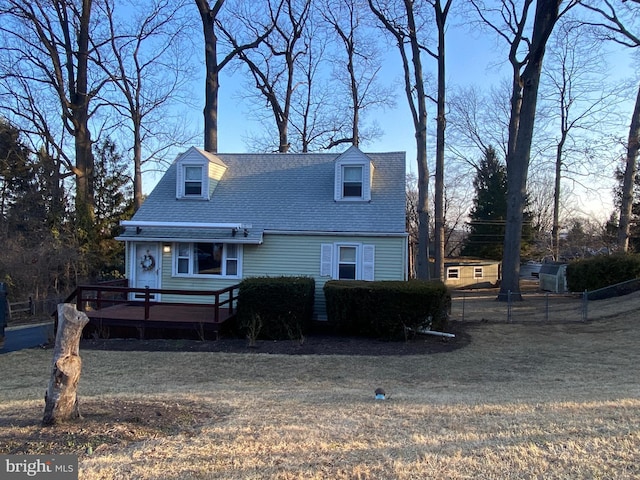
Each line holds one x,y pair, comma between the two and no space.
166,248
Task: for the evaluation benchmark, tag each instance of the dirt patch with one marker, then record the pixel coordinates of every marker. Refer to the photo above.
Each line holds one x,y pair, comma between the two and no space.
104,424
310,345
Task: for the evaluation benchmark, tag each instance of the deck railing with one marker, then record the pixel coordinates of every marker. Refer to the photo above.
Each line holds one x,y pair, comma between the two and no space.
107,294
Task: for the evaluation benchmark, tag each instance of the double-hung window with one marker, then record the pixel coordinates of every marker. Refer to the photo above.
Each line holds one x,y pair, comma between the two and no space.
453,273
347,261
478,272
218,259
193,180
352,181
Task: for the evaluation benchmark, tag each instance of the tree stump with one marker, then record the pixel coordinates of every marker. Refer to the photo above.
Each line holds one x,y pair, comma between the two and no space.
61,401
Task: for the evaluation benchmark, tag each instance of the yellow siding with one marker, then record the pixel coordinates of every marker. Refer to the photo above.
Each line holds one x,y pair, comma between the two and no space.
300,255
490,275
189,283
293,255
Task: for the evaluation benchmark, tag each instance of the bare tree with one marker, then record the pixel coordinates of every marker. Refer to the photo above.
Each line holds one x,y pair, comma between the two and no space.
360,56
401,23
312,118
145,66
580,101
441,12
49,45
211,23
615,24
273,65
411,219
511,23
476,120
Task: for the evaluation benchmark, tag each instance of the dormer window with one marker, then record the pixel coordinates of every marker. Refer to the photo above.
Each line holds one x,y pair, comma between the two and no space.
193,180
353,177
352,181
197,174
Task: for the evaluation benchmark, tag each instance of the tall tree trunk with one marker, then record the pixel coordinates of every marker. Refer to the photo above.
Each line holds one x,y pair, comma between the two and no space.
630,172
212,84
61,401
85,204
422,270
555,229
417,101
439,234
137,167
518,163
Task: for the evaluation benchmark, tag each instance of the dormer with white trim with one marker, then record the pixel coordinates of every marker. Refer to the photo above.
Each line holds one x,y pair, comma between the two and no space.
353,177
197,174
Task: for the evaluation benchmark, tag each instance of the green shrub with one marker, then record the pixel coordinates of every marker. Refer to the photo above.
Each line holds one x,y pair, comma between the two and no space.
386,309
275,308
603,271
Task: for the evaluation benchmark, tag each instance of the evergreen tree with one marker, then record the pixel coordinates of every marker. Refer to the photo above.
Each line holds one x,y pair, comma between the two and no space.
488,214
14,172
32,194
113,202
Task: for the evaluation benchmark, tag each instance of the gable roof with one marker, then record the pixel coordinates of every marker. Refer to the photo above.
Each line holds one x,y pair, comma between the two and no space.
281,192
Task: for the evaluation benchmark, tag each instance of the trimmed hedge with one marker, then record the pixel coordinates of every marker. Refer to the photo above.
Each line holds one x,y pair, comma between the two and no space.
275,308
602,271
385,309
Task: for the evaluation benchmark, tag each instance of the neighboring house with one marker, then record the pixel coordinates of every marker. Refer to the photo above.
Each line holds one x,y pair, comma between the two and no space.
467,273
214,219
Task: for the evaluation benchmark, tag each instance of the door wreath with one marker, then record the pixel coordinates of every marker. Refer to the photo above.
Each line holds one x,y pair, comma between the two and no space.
148,263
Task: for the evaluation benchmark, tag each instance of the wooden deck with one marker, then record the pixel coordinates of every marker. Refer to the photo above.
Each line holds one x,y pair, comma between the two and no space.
199,318
108,306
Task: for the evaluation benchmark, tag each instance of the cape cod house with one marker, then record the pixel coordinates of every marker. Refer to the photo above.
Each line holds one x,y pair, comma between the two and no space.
214,219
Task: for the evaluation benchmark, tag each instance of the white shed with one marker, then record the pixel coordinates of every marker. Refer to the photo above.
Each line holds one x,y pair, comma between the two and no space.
553,277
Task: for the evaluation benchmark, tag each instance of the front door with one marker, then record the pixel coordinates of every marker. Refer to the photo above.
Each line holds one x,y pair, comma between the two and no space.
147,267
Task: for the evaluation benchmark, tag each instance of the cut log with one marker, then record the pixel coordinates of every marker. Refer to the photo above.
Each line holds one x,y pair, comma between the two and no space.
61,400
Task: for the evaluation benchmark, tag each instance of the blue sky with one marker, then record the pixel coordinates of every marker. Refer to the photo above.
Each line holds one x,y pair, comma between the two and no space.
472,59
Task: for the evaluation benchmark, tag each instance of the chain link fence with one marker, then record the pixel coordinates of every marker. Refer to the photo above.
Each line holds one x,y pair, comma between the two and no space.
536,306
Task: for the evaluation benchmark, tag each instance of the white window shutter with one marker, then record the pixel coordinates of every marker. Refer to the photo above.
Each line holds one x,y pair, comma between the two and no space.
179,181
367,180
337,193
368,262
326,260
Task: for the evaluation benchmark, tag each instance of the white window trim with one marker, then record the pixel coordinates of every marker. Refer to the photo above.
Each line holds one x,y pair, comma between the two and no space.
357,263
367,179
361,168
174,262
450,272
182,178
330,259
477,270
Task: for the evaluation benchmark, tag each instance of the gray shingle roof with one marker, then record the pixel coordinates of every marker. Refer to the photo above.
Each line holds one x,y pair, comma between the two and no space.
288,192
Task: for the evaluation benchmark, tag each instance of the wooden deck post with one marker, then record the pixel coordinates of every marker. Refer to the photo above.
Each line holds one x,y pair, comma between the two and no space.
61,402
147,299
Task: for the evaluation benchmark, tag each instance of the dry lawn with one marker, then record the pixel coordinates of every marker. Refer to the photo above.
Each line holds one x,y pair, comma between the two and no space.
552,400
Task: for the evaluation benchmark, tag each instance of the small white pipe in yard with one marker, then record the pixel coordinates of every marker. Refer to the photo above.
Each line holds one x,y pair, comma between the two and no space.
439,334
427,331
